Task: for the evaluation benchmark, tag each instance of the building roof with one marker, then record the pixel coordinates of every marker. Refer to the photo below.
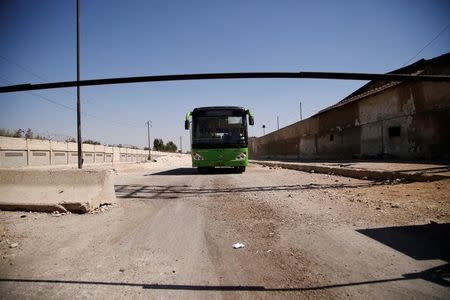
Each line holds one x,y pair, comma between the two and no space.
376,86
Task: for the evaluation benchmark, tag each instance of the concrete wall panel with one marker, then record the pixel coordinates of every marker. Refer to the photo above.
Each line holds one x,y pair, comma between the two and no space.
13,158
99,157
39,145
59,157
88,157
108,157
10,143
39,158
58,146
73,157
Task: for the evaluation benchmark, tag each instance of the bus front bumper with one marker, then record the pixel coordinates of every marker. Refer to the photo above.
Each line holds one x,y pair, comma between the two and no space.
219,163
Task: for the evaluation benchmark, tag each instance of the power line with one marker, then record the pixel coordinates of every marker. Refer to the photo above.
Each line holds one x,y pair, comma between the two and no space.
23,68
28,70
429,43
47,99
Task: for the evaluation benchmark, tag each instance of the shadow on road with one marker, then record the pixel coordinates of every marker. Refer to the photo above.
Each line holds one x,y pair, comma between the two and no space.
193,171
421,242
176,191
434,275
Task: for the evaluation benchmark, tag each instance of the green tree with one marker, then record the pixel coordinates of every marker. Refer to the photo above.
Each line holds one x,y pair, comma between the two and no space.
158,144
92,142
18,133
29,134
6,132
170,147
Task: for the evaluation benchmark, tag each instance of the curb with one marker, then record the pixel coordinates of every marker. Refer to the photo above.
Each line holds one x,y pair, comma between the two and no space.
375,175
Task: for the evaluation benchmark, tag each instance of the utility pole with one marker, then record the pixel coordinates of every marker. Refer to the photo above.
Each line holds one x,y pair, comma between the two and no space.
278,122
149,124
301,117
181,144
80,159
264,129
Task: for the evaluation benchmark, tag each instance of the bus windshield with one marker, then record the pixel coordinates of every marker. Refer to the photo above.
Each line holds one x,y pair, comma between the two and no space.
219,130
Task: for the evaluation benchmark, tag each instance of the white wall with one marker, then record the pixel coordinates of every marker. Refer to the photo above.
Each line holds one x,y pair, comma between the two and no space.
20,152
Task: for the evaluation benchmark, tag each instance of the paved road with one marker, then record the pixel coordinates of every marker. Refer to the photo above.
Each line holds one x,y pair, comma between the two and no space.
171,235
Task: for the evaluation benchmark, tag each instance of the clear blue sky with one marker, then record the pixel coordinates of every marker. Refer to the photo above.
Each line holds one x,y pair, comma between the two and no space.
130,38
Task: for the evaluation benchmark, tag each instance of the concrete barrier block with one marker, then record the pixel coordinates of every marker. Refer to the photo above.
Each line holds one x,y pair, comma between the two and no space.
78,191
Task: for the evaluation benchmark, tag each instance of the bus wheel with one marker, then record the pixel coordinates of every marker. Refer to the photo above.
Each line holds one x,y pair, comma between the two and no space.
239,169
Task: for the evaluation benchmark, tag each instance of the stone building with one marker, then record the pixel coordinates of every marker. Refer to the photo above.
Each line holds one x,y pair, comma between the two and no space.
404,120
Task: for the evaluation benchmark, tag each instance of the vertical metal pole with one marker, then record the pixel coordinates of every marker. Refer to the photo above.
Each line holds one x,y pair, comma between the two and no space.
278,122
80,159
301,117
148,135
181,144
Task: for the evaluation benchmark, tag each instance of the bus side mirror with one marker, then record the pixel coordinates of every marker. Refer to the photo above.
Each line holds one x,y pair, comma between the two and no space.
251,121
186,124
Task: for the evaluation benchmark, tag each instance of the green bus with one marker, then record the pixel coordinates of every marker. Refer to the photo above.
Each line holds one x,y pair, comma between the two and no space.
219,137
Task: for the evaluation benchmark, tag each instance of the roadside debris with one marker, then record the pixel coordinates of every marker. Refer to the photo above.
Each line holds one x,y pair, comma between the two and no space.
13,245
238,245
59,214
102,208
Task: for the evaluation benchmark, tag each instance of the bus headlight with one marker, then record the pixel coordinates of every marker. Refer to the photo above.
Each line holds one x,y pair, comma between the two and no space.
241,156
197,156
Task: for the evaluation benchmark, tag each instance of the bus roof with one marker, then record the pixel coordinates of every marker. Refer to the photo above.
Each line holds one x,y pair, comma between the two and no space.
207,108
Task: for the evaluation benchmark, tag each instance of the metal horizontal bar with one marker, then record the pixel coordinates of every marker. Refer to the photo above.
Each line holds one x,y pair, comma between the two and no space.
207,76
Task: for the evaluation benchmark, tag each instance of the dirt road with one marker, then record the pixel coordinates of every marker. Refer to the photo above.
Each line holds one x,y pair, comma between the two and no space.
171,235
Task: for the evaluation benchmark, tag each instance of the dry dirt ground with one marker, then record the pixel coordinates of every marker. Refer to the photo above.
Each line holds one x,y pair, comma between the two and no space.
171,236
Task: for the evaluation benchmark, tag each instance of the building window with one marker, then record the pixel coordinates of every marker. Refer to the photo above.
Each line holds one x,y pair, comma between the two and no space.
331,137
394,131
